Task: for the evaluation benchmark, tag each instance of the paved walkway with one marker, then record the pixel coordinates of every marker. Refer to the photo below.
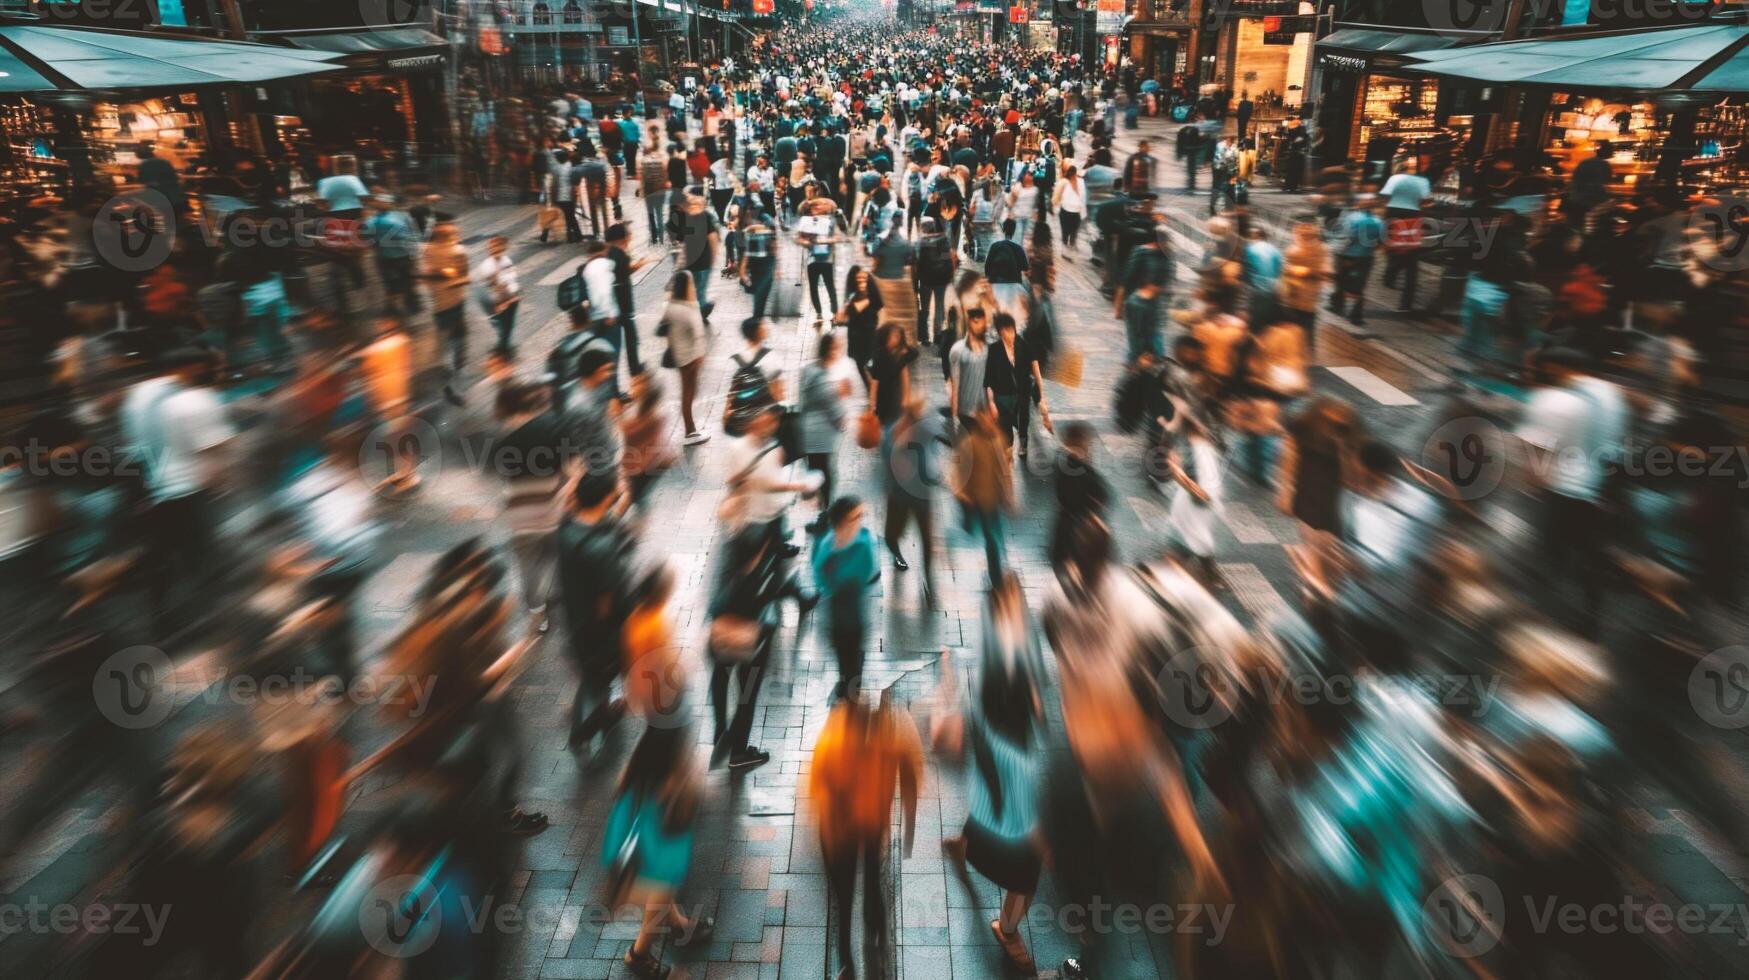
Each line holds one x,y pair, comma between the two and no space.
756,868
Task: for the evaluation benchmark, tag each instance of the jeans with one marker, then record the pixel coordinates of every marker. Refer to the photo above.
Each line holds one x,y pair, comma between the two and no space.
731,736
902,510
988,523
821,463
847,649
983,236
180,535
818,272
761,277
1484,305
573,230
701,282
841,868
656,207
1071,225
1404,266
1221,186
1256,455
1190,167
452,325
504,322
930,294
397,275
1022,231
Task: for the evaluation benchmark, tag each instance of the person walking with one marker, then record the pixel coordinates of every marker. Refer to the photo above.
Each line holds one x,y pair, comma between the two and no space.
860,316
862,757
396,243
758,271
696,234
562,181
1360,232
595,546
1138,170
1000,838
1406,194
646,846
933,265
1305,270
984,486
1015,385
446,271
825,387
845,574
689,342
1223,175
1070,202
503,294
967,362
743,624
624,267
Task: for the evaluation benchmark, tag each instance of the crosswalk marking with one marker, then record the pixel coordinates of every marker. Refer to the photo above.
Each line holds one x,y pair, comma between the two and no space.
1373,386
1247,526
1253,590
563,271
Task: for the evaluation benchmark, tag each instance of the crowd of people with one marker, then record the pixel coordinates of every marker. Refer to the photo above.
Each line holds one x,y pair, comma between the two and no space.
1443,700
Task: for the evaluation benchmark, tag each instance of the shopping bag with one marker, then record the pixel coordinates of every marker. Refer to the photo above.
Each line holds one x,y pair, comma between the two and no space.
868,431
1067,367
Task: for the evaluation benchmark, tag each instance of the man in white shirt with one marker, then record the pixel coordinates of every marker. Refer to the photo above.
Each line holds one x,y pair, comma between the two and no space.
598,288
1406,193
1575,430
176,427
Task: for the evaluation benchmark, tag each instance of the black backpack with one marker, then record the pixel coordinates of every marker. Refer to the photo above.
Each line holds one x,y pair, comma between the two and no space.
1131,403
749,392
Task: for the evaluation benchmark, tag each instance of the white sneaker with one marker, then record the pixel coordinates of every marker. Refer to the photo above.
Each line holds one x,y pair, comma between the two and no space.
696,438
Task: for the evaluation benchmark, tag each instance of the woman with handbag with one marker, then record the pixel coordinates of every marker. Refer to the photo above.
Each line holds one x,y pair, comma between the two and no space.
1011,376
860,315
825,389
688,343
743,621
647,845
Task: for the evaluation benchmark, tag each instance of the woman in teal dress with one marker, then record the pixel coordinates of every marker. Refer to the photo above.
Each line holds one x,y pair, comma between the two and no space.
647,846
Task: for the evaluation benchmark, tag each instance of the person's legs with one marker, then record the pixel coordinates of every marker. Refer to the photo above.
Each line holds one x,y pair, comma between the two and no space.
689,391
655,206
748,677
847,642
991,524
629,325
720,674
841,874
821,463
1411,278
505,323
940,310
817,272
701,281
874,899
762,284
573,230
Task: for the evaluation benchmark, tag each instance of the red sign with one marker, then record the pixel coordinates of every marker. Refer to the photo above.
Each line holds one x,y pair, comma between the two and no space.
1018,14
764,6
1271,25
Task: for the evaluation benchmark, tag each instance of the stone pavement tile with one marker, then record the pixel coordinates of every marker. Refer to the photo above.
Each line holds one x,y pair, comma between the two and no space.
740,916
804,952
561,969
927,963
731,971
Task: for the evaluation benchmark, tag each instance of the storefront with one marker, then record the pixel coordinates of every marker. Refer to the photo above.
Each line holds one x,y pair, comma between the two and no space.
391,93
1374,104
1636,130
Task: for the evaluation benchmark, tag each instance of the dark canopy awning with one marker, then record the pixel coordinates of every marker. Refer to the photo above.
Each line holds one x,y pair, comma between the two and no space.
61,58
1370,41
1702,57
392,39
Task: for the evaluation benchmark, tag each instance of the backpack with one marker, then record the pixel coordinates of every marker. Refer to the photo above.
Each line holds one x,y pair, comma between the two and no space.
571,291
749,391
1189,139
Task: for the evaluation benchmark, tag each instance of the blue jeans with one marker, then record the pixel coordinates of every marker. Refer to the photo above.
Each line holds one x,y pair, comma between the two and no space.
1484,304
1257,455
989,524
701,282
655,205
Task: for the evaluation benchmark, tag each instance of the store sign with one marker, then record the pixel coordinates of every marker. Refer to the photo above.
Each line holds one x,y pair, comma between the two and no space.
1111,17
619,36
1345,62
415,62
1282,30
1017,14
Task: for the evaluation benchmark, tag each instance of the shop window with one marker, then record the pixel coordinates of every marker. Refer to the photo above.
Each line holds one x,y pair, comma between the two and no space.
573,12
539,14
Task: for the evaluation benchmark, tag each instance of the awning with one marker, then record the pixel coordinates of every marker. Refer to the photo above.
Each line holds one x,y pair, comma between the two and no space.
60,58
1369,41
368,41
1703,57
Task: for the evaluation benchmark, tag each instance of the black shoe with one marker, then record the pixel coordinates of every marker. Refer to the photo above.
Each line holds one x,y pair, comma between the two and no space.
900,563
646,967
791,550
748,758
522,823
